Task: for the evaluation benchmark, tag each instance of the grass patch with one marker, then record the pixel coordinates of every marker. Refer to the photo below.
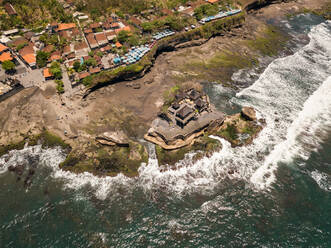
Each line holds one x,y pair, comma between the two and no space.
220,67
45,138
107,160
269,42
230,133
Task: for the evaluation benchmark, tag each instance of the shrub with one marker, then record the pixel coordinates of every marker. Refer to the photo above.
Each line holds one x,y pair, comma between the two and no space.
59,86
42,58
56,71
8,65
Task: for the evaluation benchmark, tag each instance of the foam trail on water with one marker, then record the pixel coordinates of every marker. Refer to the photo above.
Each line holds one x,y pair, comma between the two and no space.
279,96
292,95
304,135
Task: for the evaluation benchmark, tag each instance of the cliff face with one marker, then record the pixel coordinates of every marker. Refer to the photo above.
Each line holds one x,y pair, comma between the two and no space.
139,69
255,4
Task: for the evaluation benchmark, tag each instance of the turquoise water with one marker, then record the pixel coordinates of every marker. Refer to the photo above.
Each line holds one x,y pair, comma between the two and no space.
278,196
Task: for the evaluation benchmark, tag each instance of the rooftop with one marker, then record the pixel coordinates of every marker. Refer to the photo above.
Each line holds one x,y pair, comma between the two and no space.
10,9
47,73
5,56
83,75
184,112
3,48
65,26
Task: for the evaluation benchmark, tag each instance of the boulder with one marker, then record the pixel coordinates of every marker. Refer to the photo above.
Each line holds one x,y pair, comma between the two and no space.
116,138
248,113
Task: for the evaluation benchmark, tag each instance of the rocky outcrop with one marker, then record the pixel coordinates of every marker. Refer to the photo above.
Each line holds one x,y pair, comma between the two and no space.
116,138
248,113
171,137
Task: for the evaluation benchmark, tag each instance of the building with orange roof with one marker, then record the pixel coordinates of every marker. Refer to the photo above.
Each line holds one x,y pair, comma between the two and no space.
3,48
83,75
118,45
47,74
5,56
101,39
65,26
92,41
55,57
30,59
28,55
212,1
111,35
126,28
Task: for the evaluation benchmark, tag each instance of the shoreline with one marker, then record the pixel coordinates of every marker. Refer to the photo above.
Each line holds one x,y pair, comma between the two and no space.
77,135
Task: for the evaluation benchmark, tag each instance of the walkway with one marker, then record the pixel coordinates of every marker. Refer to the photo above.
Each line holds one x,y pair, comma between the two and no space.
66,82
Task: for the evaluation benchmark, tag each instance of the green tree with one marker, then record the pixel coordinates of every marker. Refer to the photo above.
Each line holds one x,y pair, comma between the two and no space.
123,36
148,26
76,65
8,65
42,58
133,40
59,86
91,62
55,69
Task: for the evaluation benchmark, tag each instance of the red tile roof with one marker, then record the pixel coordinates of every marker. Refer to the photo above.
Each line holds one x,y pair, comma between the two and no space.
88,30
126,28
95,25
10,9
101,37
48,49
90,38
3,48
94,70
5,56
65,26
80,46
83,75
47,73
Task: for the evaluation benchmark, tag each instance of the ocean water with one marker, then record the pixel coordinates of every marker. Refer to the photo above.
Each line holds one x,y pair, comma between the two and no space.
273,193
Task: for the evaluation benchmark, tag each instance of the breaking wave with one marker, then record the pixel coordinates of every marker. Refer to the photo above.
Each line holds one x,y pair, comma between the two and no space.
292,95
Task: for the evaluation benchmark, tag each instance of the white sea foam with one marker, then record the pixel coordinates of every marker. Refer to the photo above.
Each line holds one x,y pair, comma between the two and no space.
322,179
283,95
279,96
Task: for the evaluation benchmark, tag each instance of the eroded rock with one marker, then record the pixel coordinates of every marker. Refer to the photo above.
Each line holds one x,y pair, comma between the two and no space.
116,138
248,113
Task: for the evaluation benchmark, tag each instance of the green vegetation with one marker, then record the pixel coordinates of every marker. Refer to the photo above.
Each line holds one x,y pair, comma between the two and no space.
45,138
8,66
169,97
59,86
108,160
205,10
20,46
42,58
174,22
269,42
123,36
34,13
239,131
91,62
206,31
221,66
55,69
97,8
76,66
229,133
